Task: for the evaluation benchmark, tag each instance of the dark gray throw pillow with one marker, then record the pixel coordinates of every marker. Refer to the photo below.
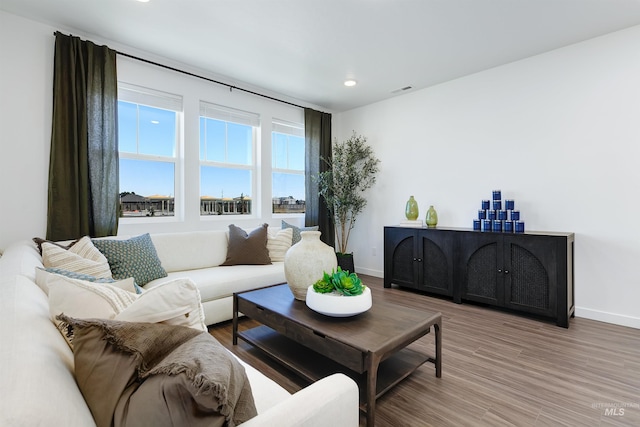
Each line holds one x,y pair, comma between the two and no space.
250,249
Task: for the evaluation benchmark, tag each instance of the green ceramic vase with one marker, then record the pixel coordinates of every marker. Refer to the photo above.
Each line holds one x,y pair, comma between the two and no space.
432,217
411,210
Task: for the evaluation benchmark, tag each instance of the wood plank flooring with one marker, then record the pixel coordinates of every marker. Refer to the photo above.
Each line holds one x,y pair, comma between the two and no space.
499,369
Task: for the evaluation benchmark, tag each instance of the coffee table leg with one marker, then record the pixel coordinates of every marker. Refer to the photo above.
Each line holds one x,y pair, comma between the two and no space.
438,330
372,378
235,319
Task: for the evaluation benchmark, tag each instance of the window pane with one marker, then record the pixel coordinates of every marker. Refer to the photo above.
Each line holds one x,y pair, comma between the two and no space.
279,150
146,188
288,193
239,143
157,131
147,178
214,134
225,190
296,153
127,127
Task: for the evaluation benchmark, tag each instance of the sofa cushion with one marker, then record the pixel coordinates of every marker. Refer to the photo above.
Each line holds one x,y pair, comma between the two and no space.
135,257
219,282
38,386
82,257
151,374
191,250
296,231
278,243
246,248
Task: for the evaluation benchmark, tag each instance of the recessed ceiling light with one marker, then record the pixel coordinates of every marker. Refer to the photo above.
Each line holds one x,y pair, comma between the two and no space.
143,1
350,82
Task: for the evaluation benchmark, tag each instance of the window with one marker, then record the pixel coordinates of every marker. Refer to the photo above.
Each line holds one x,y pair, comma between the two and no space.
227,164
288,167
148,135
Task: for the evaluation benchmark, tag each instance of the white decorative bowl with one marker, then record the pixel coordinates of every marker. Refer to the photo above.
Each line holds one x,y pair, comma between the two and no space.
338,305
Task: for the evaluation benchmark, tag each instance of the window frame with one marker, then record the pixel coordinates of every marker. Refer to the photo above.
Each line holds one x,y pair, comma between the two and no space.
212,111
143,96
288,128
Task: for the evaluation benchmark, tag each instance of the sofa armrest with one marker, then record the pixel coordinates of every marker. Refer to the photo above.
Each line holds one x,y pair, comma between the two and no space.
331,401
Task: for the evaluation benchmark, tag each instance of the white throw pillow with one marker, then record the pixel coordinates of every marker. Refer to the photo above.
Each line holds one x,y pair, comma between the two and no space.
82,257
175,303
278,243
82,299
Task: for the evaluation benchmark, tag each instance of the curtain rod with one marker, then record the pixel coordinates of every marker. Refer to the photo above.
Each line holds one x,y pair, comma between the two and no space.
230,86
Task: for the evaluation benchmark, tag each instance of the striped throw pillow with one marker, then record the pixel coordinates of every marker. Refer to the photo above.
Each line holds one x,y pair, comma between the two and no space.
278,243
83,257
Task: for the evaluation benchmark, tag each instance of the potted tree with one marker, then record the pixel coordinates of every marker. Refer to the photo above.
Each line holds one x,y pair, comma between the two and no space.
352,170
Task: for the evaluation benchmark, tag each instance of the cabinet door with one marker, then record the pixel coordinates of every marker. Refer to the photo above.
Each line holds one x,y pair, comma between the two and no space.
400,257
435,255
480,268
530,273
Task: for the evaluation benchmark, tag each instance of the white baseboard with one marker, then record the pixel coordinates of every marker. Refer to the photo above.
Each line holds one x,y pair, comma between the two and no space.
586,313
603,316
369,272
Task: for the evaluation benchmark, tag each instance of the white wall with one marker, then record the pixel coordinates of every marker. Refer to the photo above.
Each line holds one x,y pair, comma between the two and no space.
559,133
27,49
26,85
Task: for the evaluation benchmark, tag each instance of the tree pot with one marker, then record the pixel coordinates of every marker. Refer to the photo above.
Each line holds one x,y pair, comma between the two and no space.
345,262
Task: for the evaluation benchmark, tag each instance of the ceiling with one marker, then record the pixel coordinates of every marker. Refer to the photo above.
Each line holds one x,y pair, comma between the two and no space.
305,49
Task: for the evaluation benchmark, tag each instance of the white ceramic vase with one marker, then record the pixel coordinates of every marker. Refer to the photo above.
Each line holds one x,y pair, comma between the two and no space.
306,261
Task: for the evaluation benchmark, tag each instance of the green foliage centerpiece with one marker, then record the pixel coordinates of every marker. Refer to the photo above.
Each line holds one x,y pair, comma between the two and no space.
340,282
339,294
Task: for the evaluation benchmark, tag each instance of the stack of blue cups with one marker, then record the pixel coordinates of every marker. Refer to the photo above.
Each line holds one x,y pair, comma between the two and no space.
496,217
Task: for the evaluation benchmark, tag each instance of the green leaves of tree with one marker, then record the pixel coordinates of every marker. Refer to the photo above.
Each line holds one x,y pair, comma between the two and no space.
352,170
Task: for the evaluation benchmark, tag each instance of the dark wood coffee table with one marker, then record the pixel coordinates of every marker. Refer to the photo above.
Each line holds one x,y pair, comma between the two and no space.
371,347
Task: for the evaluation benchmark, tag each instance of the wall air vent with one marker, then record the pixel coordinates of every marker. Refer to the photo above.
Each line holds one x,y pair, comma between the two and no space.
402,89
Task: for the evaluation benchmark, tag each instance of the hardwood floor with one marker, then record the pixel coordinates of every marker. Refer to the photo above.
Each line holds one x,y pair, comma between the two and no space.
499,369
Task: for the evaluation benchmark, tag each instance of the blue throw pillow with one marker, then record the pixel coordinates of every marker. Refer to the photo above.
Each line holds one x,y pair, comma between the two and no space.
135,257
296,231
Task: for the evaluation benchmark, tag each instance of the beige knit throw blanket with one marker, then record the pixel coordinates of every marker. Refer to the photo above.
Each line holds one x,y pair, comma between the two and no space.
216,383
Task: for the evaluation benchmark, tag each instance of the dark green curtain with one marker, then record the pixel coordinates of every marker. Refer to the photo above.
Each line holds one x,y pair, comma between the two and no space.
317,128
83,167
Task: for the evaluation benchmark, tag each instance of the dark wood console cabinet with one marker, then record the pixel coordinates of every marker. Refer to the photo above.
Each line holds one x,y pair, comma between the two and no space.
422,259
527,272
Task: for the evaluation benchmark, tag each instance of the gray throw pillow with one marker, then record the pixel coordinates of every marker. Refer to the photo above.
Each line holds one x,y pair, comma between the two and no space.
296,231
246,248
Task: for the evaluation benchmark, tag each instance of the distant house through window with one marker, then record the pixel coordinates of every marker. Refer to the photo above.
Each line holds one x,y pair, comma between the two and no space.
227,160
148,141
288,167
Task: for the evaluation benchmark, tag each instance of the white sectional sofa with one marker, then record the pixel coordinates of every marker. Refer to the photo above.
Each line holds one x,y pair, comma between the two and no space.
37,366
198,255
